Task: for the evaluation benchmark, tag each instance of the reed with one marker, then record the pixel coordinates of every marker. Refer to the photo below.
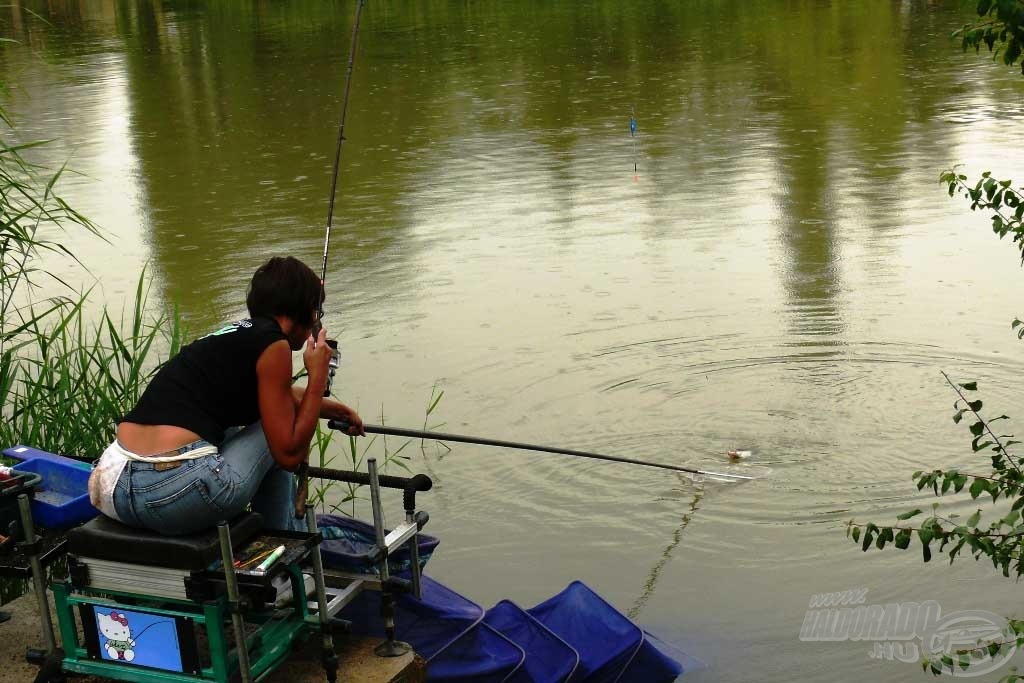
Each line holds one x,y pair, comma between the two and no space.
72,375
66,372
344,497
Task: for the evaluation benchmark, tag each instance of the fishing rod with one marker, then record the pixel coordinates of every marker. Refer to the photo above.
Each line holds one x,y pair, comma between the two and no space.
303,472
337,152
342,425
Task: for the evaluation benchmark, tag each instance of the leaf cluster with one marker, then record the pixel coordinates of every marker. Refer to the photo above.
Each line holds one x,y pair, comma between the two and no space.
1001,30
989,194
962,659
1001,539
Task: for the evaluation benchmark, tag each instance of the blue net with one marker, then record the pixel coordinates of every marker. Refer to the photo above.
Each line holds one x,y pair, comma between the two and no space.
348,543
611,647
483,655
430,625
549,659
575,637
444,628
655,662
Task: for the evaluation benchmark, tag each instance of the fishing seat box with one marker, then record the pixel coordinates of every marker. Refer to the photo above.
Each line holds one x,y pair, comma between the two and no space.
104,554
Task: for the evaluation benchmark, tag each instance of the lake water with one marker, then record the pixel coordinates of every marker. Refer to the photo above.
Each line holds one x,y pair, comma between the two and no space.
784,273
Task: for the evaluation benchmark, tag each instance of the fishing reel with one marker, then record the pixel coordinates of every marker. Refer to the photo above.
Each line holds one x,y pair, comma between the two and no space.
332,366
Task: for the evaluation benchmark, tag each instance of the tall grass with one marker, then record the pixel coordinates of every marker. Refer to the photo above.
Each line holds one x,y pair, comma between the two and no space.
65,375
75,374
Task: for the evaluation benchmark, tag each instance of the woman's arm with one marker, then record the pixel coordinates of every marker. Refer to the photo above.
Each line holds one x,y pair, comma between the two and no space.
333,410
289,426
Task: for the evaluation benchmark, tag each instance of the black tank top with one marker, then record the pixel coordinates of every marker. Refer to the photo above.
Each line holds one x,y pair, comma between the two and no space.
210,384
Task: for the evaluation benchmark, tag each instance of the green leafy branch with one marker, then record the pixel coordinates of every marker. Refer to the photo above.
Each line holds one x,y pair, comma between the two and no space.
1001,458
1002,539
994,195
992,648
1002,30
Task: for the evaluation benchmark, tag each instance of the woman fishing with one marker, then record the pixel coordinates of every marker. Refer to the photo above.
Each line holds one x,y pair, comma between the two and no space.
220,426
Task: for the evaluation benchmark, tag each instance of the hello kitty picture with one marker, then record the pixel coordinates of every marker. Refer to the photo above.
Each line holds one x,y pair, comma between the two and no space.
115,629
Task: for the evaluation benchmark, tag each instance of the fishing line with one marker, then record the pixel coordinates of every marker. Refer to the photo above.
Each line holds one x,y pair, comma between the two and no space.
155,623
677,536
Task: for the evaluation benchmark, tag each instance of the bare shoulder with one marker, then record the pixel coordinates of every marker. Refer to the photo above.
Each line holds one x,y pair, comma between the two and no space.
275,362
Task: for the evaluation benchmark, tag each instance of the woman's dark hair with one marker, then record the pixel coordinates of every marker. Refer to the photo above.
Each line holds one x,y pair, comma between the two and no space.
285,286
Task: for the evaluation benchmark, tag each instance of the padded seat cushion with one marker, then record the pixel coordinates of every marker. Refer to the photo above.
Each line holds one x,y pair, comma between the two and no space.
106,539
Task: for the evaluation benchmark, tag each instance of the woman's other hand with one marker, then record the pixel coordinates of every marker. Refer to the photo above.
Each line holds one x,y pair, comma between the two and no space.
352,418
317,356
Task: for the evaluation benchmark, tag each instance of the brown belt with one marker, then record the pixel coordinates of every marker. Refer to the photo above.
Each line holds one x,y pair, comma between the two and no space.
164,466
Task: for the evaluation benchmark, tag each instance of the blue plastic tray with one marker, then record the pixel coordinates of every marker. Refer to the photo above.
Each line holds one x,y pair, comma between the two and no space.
20,452
62,499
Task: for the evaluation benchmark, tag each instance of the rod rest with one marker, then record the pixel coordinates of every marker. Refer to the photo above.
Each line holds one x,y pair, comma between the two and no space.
421,518
416,483
419,482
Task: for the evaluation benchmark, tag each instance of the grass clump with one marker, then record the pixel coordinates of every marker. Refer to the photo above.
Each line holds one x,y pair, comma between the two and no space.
65,375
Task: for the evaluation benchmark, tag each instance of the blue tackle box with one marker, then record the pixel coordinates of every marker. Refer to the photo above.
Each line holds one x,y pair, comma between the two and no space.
62,497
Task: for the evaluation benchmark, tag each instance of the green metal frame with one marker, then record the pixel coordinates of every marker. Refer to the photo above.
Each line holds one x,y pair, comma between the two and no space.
270,643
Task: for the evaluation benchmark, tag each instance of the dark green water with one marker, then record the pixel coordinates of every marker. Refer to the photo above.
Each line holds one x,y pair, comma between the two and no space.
784,275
